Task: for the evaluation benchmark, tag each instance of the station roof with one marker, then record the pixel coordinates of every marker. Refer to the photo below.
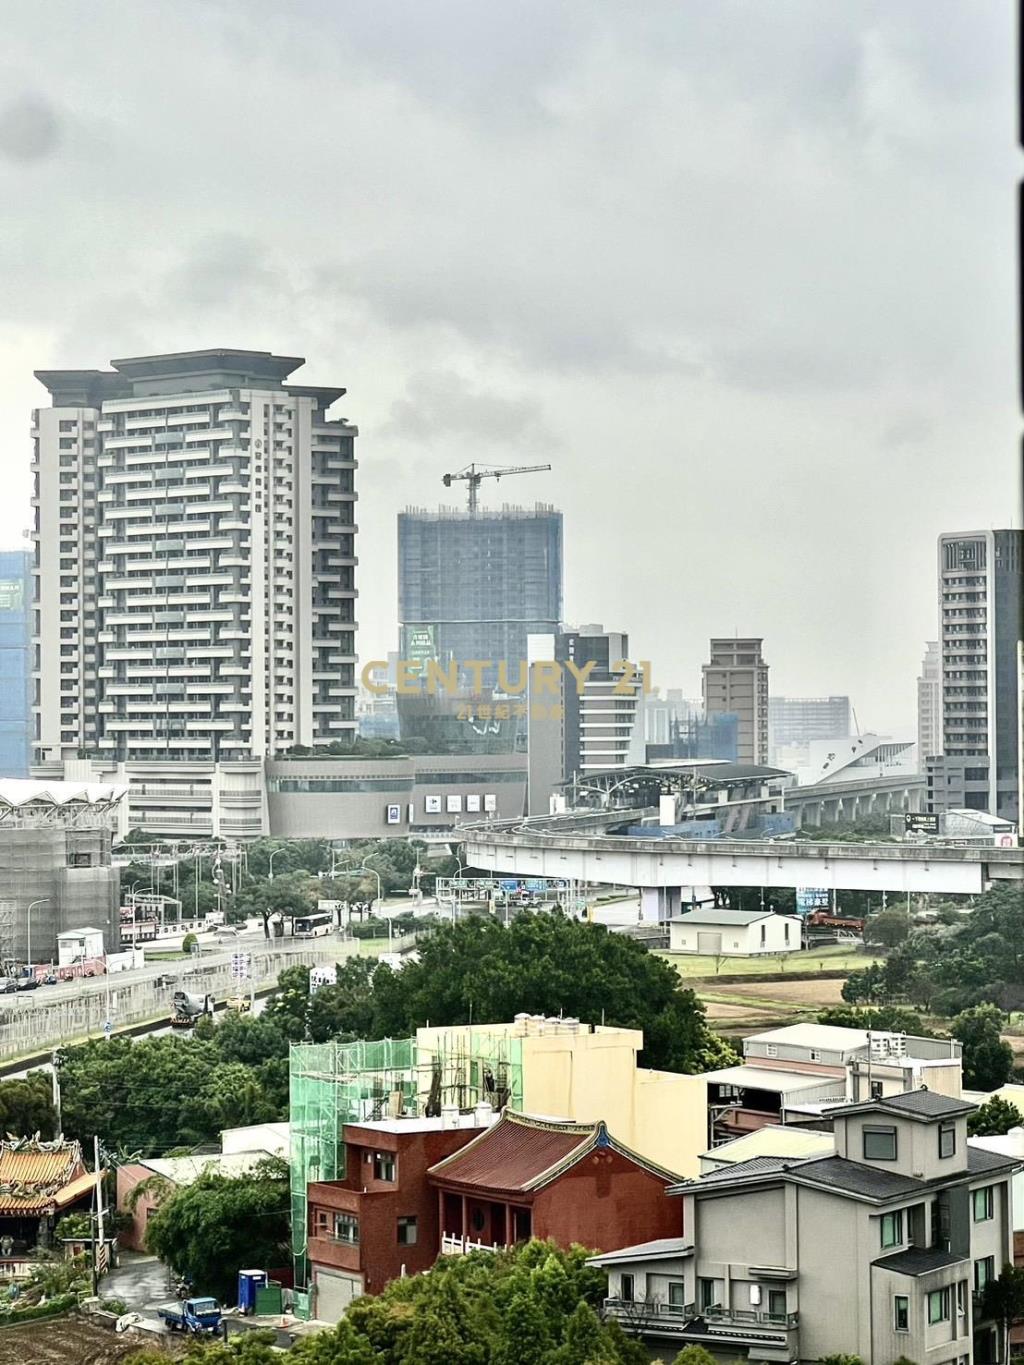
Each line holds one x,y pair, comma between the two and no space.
714,771
15,792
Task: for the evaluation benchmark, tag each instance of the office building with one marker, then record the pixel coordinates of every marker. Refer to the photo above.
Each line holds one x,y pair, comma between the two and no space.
195,565
475,585
929,704
979,581
879,1251
794,722
585,714
735,681
15,662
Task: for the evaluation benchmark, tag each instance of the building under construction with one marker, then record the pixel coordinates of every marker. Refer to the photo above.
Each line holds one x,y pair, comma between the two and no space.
55,868
332,1084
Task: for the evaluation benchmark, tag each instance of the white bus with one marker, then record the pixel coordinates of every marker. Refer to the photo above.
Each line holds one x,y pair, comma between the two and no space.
312,926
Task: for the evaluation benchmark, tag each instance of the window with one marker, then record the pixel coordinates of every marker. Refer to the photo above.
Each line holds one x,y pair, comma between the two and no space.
879,1144
984,1271
892,1228
676,1293
707,1293
982,1204
938,1305
764,932
947,1139
901,1313
771,1049
786,930
407,1231
776,1303
346,1229
383,1166
626,1288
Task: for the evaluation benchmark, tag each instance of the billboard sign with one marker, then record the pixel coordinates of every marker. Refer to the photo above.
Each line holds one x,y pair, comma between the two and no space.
12,594
921,823
811,898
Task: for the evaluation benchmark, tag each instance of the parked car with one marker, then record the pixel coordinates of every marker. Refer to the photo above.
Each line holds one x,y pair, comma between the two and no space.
8,985
27,983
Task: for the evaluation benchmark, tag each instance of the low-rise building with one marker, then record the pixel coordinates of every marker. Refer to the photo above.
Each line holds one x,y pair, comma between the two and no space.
734,933
879,1251
39,1182
793,1074
380,1221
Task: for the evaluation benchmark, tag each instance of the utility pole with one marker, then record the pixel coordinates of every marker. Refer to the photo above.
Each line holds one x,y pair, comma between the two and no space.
97,1240
55,1074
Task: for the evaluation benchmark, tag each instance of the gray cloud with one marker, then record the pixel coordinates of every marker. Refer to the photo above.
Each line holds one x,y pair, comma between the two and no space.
29,128
440,403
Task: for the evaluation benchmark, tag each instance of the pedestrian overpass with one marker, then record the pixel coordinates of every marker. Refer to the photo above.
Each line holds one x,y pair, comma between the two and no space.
581,846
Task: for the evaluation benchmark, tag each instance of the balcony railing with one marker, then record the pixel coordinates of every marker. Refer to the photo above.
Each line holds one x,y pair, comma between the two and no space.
731,1322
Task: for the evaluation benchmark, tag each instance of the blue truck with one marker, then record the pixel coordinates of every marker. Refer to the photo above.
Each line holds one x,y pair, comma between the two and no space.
201,1317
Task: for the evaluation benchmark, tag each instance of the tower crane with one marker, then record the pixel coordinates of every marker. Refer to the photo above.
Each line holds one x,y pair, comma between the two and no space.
474,473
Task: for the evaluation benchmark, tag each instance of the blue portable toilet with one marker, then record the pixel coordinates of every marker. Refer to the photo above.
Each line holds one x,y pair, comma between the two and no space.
248,1282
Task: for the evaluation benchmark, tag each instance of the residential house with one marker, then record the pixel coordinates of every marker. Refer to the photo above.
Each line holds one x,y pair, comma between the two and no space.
793,1074
734,933
380,1220
878,1251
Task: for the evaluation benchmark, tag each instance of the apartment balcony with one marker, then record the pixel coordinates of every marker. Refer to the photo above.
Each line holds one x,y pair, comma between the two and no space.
773,1335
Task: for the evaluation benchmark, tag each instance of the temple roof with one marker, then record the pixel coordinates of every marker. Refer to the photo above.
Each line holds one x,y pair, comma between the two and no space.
39,1177
521,1154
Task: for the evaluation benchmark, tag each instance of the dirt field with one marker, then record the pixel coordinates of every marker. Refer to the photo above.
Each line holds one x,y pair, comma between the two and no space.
825,991
66,1341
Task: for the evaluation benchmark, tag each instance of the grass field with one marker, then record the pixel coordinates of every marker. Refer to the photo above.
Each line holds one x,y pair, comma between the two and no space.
830,959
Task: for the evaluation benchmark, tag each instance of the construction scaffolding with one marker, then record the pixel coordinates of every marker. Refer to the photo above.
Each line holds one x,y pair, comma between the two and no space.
332,1084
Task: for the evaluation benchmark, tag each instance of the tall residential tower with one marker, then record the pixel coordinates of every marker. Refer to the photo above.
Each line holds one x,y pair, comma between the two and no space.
979,582
195,597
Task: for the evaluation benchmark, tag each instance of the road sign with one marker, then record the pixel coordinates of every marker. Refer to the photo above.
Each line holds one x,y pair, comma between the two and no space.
108,1027
810,898
239,966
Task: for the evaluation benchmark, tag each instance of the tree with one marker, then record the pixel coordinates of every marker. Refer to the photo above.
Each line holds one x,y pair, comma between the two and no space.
26,1106
888,929
548,964
987,1059
1003,1302
840,1359
994,1118
189,943
208,1230
694,1355
885,1018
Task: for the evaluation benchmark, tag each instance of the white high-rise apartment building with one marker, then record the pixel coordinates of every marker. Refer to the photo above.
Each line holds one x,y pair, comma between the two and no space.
929,704
195,597
979,582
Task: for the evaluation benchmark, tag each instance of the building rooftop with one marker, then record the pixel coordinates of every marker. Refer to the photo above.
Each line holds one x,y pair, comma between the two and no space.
17,792
919,1261
424,1125
40,1177
521,1154
827,1037
923,1105
774,1140
768,1078
184,1170
715,916
645,1251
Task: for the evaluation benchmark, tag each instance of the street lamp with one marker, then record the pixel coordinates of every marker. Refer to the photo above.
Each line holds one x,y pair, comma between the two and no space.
28,920
272,857
380,895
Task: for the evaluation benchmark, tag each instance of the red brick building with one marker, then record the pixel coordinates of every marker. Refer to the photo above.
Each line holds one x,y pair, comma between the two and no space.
381,1220
570,1182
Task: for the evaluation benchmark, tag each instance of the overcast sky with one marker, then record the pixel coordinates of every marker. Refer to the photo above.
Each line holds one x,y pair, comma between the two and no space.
742,272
